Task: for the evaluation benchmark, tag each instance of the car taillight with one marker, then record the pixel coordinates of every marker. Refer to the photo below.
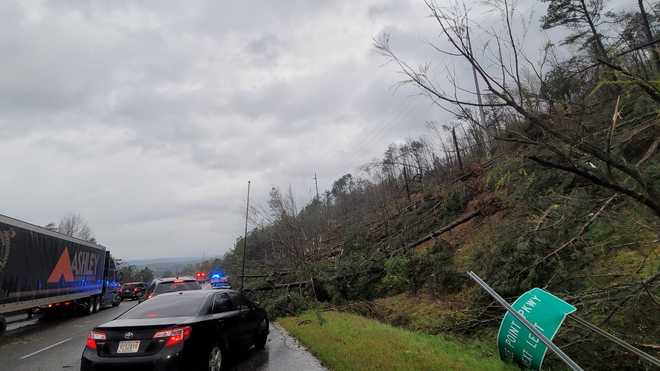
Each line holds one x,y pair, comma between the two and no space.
93,337
174,335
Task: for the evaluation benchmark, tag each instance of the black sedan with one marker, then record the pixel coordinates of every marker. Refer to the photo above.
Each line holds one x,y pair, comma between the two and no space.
187,330
132,290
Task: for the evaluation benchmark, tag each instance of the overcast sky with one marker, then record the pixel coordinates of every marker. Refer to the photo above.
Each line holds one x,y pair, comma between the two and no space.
149,117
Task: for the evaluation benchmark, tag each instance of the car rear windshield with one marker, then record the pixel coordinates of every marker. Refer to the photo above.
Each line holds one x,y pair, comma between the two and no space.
132,285
164,287
167,306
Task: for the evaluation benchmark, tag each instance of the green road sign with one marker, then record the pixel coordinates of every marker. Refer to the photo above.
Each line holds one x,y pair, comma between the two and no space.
546,312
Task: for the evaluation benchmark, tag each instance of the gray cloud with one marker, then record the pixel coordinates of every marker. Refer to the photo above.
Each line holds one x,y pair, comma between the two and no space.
149,117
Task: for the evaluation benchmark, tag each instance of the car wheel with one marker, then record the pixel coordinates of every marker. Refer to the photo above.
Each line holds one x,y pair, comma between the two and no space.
216,359
262,335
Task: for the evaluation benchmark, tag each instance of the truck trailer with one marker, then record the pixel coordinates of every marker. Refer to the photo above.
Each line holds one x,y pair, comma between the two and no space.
43,270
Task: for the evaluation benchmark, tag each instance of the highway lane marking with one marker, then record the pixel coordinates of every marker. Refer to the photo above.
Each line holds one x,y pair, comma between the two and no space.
46,348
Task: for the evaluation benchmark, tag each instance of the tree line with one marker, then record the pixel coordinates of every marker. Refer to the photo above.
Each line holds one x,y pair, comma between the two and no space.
131,273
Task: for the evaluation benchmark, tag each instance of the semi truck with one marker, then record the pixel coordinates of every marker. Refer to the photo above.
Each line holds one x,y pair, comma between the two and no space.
42,270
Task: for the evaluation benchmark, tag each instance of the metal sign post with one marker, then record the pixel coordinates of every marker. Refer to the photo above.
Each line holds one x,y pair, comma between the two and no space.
569,362
546,311
603,333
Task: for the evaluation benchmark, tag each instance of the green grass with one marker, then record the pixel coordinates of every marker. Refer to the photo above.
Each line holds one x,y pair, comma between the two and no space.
350,342
420,312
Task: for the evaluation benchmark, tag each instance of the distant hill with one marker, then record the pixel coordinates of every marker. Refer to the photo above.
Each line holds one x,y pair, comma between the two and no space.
160,265
175,260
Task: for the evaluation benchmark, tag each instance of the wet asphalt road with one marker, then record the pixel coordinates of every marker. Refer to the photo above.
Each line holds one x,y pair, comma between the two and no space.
57,345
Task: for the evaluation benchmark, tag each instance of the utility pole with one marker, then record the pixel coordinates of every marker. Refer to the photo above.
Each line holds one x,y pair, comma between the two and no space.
247,212
316,182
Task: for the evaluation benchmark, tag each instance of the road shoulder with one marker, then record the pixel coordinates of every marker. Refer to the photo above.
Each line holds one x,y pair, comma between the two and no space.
283,353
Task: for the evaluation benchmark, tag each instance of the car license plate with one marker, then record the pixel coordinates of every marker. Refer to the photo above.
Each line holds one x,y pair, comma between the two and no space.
128,346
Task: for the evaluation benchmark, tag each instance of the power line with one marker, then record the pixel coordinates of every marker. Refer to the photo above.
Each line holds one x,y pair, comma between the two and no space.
377,132
383,129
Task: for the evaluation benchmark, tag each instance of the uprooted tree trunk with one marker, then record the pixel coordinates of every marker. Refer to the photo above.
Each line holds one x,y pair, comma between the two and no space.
464,219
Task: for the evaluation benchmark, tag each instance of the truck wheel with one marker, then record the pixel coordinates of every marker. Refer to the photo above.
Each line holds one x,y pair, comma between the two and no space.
97,304
3,325
90,305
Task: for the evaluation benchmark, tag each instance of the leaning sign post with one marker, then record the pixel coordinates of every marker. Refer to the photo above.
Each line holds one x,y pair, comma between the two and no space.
543,310
528,327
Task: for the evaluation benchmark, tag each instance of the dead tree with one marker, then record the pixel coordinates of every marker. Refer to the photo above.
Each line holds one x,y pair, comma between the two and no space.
577,152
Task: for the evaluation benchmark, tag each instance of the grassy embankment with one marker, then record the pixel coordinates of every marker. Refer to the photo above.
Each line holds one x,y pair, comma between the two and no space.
344,341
